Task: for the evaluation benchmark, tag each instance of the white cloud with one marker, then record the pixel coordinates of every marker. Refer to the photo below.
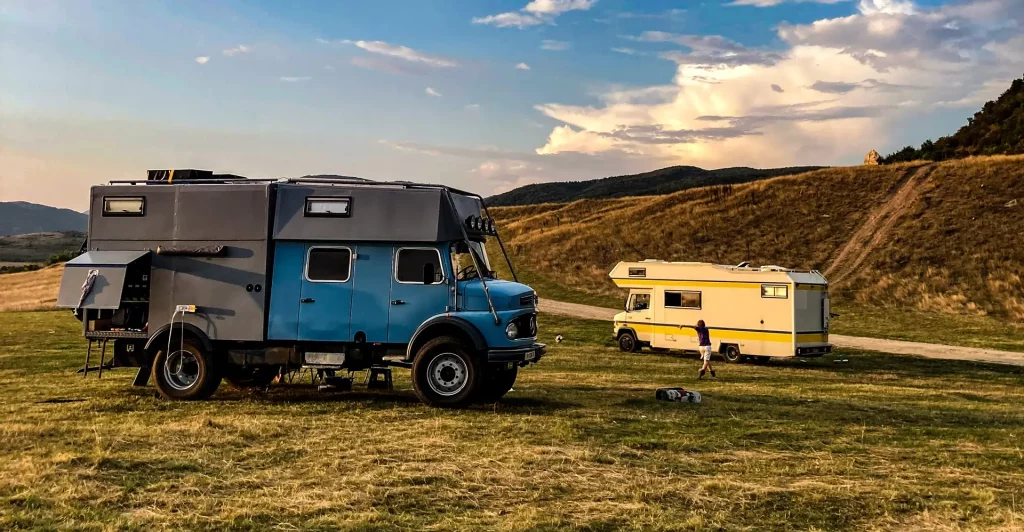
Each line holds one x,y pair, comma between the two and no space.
431,92
851,84
534,13
626,51
240,49
770,3
404,53
473,107
522,66
202,60
557,46
294,79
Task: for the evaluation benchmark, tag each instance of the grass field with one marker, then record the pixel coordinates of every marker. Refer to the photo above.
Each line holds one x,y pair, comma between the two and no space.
881,442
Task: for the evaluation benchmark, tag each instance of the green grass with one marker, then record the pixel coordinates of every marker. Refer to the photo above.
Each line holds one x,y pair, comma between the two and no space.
928,327
882,442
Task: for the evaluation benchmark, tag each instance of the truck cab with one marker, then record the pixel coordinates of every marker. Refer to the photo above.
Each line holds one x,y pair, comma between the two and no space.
248,280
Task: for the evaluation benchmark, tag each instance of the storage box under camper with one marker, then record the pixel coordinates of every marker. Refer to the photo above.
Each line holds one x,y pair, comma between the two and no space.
252,278
750,312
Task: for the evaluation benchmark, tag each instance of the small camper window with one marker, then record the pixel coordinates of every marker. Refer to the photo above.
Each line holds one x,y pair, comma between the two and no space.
333,207
638,272
777,291
122,206
328,265
690,300
414,264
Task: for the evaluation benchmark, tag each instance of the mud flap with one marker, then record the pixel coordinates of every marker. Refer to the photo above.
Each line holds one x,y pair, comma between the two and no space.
142,377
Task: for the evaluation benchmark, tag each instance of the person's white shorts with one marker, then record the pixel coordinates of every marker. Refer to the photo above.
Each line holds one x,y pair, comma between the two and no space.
705,352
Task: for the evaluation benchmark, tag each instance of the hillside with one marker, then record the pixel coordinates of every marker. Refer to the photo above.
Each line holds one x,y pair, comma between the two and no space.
664,181
940,237
20,217
997,129
38,247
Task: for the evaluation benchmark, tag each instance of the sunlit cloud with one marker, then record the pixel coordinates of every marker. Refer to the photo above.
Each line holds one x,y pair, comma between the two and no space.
432,92
522,66
202,60
404,53
535,13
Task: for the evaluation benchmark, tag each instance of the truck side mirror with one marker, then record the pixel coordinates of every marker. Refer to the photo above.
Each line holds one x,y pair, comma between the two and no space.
428,273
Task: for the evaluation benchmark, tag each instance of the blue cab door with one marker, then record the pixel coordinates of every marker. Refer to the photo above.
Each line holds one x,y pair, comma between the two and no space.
325,299
413,300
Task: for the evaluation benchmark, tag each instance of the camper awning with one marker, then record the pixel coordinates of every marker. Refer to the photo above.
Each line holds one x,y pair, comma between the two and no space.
105,292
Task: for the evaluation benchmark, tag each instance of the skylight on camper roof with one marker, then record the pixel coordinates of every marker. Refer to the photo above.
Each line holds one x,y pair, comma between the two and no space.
338,207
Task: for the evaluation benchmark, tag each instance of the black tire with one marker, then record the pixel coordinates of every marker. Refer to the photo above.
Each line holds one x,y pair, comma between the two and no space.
628,342
252,377
186,374
497,381
445,374
732,355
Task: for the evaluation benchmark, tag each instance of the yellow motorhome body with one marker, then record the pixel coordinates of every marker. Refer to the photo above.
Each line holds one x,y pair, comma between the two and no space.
750,311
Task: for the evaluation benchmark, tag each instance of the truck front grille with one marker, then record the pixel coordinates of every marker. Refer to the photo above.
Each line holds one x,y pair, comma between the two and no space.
529,300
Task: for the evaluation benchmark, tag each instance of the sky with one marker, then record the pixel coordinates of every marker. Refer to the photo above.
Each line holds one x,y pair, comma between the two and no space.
483,95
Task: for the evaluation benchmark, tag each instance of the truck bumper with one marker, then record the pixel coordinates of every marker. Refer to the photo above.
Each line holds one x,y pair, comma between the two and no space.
524,355
814,351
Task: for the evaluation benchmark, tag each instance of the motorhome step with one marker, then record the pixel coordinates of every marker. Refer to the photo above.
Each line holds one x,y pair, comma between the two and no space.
379,378
336,383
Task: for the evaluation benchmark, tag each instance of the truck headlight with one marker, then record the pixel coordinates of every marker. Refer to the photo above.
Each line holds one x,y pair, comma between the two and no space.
511,332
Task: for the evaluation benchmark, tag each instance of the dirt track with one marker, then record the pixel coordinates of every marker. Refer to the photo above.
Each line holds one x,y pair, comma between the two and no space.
897,347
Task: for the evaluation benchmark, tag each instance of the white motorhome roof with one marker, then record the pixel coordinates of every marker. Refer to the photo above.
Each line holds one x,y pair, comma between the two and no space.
647,272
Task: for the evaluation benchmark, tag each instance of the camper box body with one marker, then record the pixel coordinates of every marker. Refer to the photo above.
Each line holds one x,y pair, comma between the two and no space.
291,273
757,312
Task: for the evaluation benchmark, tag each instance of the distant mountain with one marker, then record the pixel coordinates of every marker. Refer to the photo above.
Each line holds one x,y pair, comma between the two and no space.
998,129
664,181
20,217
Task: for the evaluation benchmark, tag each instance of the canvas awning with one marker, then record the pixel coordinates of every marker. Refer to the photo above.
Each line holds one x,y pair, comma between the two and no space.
105,292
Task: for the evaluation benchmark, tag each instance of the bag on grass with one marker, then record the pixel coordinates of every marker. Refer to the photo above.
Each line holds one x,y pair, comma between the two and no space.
677,395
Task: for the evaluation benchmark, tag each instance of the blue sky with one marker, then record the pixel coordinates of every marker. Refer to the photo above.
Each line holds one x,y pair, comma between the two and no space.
485,95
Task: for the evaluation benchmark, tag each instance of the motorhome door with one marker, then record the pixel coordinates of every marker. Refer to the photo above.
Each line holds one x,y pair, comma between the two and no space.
638,311
419,291
326,296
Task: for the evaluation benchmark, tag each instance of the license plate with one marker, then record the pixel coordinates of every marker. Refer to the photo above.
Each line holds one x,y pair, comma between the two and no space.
531,355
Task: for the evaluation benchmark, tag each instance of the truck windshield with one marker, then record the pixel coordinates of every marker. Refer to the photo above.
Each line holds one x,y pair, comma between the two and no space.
462,260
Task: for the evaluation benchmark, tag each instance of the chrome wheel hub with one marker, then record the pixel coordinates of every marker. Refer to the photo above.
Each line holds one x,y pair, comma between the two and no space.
447,374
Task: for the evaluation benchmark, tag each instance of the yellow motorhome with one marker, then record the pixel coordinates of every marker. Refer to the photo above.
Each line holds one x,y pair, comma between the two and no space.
751,312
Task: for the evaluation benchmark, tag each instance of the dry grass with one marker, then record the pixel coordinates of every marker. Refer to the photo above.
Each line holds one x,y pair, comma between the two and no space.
881,443
954,248
30,290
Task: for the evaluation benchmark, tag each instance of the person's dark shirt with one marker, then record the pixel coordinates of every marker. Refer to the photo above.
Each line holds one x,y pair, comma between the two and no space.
703,336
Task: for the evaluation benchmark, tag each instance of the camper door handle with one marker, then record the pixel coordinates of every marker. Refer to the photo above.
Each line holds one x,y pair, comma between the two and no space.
397,302
307,300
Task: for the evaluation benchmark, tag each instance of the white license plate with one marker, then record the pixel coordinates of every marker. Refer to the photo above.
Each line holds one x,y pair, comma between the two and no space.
531,355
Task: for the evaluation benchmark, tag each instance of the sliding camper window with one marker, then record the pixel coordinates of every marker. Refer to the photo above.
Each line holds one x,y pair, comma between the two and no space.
775,291
328,264
124,206
682,299
340,207
413,263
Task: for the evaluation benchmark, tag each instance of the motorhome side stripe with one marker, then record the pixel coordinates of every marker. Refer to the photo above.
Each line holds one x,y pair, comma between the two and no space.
626,283
741,334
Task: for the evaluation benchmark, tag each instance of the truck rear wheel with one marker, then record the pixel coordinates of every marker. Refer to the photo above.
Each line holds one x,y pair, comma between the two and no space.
497,382
186,373
445,374
732,355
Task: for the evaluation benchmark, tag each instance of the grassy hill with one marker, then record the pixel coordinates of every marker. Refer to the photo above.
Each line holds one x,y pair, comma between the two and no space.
21,217
664,181
997,129
38,247
941,237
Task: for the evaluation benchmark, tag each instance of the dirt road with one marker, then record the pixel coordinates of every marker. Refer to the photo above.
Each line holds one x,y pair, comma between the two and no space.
897,347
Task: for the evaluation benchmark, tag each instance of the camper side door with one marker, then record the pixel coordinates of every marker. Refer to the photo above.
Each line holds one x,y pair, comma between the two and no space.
640,315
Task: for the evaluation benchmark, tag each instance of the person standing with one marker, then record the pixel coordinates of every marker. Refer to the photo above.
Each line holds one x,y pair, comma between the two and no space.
704,346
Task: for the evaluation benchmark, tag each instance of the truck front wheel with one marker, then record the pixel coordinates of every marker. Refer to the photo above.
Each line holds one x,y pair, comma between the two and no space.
628,342
185,373
498,380
445,374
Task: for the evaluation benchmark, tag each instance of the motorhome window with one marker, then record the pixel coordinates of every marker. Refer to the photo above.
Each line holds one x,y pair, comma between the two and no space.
329,265
334,207
689,300
640,302
777,291
638,272
413,262
122,206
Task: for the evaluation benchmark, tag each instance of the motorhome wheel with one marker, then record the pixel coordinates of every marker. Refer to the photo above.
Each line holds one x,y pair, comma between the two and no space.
445,374
627,342
498,380
185,373
732,355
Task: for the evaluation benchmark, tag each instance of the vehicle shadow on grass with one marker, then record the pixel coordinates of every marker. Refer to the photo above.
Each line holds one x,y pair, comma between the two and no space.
902,365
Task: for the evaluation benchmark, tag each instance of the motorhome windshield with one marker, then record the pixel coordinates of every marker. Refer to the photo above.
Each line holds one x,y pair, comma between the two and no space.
462,260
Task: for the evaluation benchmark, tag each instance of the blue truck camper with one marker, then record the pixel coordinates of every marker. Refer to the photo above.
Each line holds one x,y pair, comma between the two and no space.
197,277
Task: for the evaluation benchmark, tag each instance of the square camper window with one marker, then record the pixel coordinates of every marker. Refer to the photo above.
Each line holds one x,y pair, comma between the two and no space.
776,291
690,300
332,207
415,264
638,272
124,206
639,302
328,265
